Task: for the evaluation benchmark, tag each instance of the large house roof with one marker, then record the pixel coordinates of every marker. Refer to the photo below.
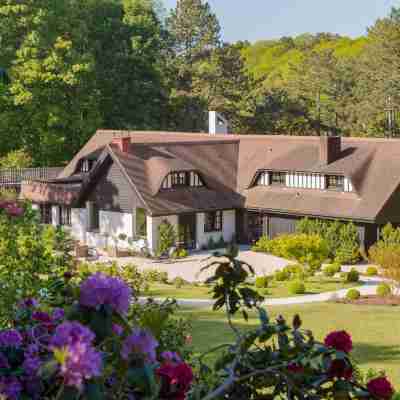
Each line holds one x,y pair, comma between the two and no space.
229,163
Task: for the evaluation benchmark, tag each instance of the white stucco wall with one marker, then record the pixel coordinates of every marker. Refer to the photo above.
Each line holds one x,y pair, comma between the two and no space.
152,229
228,229
79,223
55,215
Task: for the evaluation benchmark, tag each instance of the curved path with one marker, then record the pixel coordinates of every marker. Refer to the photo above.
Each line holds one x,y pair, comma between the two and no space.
368,288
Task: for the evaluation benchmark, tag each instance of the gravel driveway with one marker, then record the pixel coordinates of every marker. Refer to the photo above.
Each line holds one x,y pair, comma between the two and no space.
189,268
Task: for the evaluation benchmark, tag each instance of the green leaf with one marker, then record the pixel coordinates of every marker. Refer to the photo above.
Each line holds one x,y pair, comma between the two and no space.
94,391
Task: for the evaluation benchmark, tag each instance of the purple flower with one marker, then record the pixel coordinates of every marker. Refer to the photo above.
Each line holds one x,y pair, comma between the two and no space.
140,342
10,387
10,338
171,356
81,360
3,361
42,317
117,329
28,303
31,365
57,314
100,289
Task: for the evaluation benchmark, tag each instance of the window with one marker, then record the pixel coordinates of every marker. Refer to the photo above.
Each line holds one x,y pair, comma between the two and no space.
278,178
93,213
65,216
45,213
182,179
213,221
335,182
86,165
262,179
140,223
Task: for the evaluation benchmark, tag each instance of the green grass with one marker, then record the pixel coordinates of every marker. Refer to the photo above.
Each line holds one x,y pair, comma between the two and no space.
275,290
374,330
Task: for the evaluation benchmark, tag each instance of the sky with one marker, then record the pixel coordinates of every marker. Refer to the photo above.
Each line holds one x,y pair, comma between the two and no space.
270,19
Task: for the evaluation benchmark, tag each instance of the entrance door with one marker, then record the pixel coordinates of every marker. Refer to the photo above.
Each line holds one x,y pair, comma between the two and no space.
256,228
187,231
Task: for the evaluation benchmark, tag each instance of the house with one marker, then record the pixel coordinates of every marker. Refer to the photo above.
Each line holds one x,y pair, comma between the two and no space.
213,185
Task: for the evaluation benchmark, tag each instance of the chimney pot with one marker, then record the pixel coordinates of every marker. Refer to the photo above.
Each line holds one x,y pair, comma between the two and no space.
329,149
122,143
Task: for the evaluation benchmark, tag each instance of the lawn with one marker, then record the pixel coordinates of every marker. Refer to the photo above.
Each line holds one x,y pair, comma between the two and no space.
314,285
374,329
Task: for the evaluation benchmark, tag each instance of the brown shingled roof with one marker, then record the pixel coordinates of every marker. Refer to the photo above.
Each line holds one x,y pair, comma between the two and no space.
228,164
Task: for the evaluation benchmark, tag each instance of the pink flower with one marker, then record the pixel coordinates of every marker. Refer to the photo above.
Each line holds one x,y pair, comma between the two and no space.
339,340
176,380
381,388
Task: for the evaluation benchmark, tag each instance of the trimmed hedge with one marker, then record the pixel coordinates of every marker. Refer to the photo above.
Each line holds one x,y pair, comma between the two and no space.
353,276
353,294
371,271
296,287
383,290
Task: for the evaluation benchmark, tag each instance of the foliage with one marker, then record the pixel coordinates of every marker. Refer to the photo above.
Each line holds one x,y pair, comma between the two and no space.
166,237
342,238
276,359
94,349
296,287
353,276
281,276
33,257
371,271
180,253
16,159
306,249
179,282
329,271
137,280
386,253
383,290
353,294
262,282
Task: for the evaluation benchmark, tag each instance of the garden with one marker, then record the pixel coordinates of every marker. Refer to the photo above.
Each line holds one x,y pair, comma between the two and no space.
71,332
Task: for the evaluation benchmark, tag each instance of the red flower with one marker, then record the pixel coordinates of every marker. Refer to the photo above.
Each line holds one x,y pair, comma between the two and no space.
176,380
340,369
381,388
339,340
295,368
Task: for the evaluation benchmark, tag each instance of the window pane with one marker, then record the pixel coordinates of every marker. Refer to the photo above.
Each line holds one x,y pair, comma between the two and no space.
141,223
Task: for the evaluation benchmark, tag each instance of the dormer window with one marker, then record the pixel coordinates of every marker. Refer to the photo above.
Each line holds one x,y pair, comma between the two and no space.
278,178
335,182
86,165
181,179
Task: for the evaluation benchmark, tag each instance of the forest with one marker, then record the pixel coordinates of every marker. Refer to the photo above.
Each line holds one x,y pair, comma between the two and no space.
70,67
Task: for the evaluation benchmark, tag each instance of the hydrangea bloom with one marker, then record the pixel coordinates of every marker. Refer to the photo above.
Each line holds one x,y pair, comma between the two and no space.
339,340
10,338
28,303
142,342
57,314
10,387
380,388
100,289
79,359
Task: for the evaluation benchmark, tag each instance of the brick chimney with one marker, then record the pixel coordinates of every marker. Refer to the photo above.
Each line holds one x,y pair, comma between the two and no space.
330,148
122,143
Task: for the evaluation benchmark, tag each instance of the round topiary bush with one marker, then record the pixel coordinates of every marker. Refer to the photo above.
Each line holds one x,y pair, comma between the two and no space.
179,282
281,276
329,271
383,290
371,271
353,276
337,267
261,282
296,287
353,294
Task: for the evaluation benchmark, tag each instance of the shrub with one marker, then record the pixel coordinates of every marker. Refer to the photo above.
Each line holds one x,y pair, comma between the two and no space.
179,282
371,271
183,253
353,294
221,243
329,271
296,287
166,237
353,276
383,290
342,238
311,250
261,282
281,276
265,292
262,245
